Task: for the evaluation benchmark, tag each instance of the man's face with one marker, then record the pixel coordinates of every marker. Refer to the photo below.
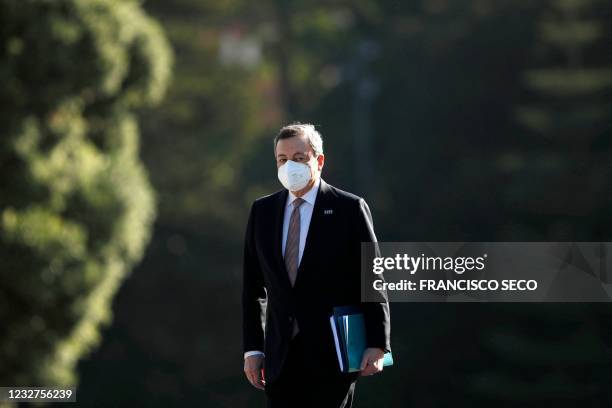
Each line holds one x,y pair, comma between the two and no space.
299,150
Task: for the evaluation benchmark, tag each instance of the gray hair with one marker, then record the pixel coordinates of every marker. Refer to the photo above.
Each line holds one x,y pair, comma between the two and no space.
306,129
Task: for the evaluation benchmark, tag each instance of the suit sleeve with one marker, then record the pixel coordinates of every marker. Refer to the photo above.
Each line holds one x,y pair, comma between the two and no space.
376,313
253,292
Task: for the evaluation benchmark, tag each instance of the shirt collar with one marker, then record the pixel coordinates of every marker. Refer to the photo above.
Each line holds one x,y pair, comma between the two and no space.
309,197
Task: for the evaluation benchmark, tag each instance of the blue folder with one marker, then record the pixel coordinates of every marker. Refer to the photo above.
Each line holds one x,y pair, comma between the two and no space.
348,328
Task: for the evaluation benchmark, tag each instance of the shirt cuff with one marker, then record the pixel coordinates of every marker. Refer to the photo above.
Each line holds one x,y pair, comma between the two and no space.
253,353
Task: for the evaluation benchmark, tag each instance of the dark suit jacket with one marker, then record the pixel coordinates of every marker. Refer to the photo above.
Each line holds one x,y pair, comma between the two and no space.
329,275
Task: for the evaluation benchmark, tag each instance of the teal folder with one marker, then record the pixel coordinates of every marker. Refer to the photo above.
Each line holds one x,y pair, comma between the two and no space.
348,328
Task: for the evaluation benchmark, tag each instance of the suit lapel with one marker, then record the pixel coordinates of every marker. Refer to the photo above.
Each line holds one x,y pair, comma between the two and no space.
278,237
315,230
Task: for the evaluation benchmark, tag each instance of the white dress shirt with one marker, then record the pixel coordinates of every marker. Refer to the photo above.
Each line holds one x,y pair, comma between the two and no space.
305,217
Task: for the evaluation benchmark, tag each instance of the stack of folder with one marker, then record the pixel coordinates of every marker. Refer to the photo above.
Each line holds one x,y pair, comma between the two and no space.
348,328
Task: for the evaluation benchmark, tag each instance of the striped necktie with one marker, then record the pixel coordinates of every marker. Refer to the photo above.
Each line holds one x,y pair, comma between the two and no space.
292,246
292,249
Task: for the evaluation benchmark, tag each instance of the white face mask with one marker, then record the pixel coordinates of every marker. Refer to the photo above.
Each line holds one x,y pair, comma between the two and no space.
294,176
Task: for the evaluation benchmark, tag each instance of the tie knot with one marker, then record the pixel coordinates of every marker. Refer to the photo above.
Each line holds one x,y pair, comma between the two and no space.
297,202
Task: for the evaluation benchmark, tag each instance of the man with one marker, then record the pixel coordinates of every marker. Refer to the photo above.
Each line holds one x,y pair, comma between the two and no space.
302,256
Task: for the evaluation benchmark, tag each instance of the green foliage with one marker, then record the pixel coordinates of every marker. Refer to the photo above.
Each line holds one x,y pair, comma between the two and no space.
569,92
76,206
558,353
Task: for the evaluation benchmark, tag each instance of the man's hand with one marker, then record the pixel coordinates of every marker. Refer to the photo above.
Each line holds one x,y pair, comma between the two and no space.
372,361
253,369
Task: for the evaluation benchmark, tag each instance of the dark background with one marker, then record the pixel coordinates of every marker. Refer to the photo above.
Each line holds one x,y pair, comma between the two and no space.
420,116
466,120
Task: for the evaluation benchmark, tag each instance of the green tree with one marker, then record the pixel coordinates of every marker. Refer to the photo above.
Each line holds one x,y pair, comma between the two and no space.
566,117
571,86
558,353
75,203
243,69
